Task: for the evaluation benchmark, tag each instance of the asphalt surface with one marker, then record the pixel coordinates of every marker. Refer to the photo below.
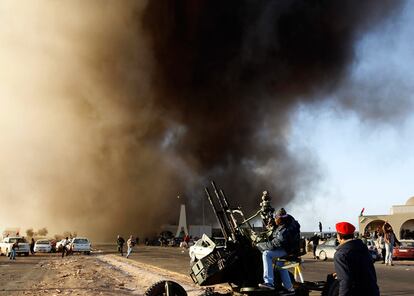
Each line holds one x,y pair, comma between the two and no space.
22,273
393,280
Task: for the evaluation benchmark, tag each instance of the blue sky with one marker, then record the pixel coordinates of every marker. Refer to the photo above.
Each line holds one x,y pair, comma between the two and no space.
364,150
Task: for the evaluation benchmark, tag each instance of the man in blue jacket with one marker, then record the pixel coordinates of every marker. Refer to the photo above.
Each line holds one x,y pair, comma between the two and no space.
284,241
353,264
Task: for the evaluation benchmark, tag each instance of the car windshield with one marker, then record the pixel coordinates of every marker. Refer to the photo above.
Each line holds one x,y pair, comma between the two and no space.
81,241
42,242
407,244
14,239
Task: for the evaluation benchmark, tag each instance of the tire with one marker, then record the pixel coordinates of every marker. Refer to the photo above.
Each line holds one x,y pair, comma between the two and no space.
160,288
88,253
26,254
322,256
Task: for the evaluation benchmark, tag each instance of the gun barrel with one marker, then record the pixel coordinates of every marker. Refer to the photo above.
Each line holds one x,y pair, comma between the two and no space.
218,216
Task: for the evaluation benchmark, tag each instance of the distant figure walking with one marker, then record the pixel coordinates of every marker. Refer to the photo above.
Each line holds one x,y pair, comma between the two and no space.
315,242
380,244
130,245
65,242
390,241
15,246
320,227
32,244
120,243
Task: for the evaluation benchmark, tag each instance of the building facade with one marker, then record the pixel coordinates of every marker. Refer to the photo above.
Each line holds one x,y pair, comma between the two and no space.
401,218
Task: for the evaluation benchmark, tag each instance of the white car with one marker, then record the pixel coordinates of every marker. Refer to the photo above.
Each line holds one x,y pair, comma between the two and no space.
59,245
327,249
6,245
43,246
80,244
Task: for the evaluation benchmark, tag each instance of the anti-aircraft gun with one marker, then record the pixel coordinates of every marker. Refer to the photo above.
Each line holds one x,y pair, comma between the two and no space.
239,261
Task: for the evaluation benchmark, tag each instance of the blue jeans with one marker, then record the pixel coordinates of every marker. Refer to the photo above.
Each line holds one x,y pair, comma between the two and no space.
129,251
388,253
13,254
268,276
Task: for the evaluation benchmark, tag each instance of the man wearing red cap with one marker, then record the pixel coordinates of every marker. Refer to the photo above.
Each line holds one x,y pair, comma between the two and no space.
353,264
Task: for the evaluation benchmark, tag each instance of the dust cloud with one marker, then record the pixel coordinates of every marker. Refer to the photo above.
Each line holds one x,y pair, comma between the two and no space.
110,109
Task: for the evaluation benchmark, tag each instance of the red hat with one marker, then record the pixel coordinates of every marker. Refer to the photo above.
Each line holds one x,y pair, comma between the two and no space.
345,228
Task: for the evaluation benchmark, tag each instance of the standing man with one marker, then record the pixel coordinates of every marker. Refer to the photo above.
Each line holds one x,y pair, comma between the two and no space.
320,227
315,242
130,245
65,242
390,241
14,247
353,264
120,243
32,244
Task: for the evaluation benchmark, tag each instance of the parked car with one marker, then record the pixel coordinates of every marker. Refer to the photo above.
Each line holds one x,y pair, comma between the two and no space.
58,246
53,245
327,249
405,250
80,244
43,246
6,245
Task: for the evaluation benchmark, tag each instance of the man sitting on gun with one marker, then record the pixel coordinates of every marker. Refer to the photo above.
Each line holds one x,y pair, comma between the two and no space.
283,241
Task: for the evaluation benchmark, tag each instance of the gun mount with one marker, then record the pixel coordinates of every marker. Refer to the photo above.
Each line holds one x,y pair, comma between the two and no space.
239,261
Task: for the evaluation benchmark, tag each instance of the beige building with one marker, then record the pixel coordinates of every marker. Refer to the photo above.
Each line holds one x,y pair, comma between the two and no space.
401,218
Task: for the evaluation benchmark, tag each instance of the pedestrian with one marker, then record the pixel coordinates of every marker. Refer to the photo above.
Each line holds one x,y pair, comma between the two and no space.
120,243
353,264
320,227
315,242
137,240
14,247
284,240
390,242
130,245
64,244
32,243
380,244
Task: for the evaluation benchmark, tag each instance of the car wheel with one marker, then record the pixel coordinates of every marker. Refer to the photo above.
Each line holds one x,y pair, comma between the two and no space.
322,256
88,253
26,254
165,288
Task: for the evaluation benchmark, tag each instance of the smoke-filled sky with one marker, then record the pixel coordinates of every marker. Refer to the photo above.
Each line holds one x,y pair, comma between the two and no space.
109,110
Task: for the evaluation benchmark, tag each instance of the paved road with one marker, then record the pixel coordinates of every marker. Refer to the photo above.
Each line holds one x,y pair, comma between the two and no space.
393,280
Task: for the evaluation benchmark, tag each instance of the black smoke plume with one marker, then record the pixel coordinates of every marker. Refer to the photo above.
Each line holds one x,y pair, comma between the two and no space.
231,72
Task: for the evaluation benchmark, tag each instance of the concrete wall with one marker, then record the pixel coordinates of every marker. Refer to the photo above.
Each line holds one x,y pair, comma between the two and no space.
396,221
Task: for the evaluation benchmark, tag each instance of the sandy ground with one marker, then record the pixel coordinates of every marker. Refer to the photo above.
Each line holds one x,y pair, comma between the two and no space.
91,275
107,273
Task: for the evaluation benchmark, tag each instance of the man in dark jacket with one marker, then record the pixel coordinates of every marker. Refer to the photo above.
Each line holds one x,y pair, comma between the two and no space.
120,242
353,264
284,241
315,242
